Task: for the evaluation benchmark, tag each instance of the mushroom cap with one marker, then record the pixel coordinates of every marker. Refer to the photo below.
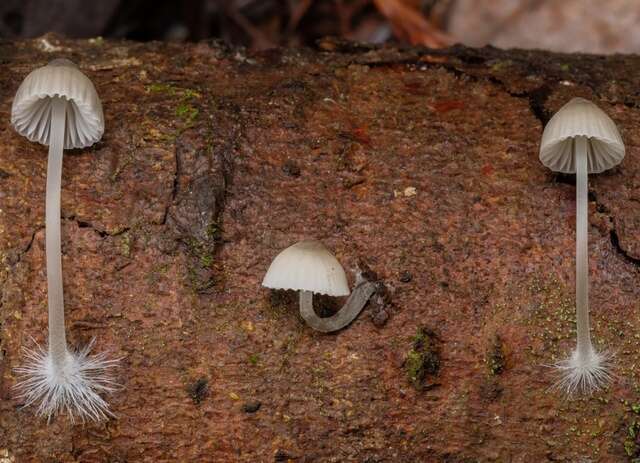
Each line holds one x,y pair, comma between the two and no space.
307,266
580,117
31,108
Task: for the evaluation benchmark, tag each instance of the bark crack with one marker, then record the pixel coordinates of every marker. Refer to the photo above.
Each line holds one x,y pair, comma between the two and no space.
99,231
174,186
24,251
613,233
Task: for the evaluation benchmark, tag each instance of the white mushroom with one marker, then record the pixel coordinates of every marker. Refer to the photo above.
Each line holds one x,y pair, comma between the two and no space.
310,268
580,138
57,105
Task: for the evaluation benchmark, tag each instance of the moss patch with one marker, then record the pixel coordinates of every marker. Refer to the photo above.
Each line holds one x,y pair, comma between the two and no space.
423,360
632,441
186,109
187,112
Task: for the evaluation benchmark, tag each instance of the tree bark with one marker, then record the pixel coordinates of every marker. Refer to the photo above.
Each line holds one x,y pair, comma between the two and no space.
421,164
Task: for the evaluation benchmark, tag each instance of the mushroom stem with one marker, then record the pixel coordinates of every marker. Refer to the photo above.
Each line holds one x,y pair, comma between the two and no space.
363,290
57,338
586,370
584,349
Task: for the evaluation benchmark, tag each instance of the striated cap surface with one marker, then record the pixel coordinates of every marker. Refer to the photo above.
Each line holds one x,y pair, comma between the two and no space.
31,108
580,117
308,266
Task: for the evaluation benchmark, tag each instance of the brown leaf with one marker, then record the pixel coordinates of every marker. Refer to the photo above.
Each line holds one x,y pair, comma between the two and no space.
410,25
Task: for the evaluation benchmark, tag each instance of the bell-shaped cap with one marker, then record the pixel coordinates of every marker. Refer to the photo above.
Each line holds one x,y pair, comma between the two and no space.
307,266
580,117
31,109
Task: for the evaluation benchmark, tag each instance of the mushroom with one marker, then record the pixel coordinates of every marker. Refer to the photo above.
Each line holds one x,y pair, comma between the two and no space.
309,267
580,138
57,105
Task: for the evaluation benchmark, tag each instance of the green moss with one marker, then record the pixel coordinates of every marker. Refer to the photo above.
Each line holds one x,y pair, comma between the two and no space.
162,88
187,112
632,442
188,93
423,360
197,281
97,41
214,231
500,65
254,359
206,260
414,367
202,251
125,244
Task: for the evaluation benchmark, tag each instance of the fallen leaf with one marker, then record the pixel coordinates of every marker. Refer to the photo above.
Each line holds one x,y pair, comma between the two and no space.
409,24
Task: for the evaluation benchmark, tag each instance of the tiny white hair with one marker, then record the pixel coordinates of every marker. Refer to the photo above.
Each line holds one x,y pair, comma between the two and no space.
584,375
75,387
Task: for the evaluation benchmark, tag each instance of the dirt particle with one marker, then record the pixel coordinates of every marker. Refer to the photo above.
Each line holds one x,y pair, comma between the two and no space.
405,276
495,357
198,390
490,389
422,362
282,298
379,317
251,407
281,455
326,306
352,180
291,168
380,305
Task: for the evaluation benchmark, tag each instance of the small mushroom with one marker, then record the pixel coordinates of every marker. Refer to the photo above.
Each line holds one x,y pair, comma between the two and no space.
57,105
310,268
580,138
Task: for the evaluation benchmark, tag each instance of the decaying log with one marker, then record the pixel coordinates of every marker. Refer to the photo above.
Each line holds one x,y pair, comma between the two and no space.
421,164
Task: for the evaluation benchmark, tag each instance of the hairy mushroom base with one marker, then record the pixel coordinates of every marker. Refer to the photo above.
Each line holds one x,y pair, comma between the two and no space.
72,383
584,373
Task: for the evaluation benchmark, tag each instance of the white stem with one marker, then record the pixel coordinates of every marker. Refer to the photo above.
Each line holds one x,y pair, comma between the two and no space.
355,302
57,338
584,349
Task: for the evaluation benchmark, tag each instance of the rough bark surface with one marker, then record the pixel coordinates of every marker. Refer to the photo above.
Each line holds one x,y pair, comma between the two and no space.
420,164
